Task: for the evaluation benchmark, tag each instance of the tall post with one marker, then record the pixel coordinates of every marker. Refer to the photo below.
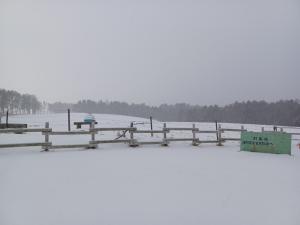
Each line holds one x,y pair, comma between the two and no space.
194,143
69,122
216,122
46,147
7,119
219,136
165,141
151,125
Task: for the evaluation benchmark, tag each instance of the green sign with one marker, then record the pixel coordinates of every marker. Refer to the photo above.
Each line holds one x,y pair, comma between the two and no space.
267,142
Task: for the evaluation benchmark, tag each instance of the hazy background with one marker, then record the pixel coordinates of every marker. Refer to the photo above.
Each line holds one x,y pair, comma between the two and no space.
198,52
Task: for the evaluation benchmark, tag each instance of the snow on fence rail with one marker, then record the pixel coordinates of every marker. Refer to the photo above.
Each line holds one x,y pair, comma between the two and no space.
132,142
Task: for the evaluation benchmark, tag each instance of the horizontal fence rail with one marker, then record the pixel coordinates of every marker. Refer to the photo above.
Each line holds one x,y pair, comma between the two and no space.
22,145
210,141
180,139
234,130
47,132
68,146
151,143
109,141
24,130
181,129
67,132
206,131
150,131
113,129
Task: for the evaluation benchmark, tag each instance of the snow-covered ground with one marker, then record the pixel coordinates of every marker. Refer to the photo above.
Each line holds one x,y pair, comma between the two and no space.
115,184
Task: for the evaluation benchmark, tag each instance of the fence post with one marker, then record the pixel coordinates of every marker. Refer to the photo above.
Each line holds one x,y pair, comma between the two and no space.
151,125
46,147
69,122
165,141
132,142
219,136
7,119
194,143
92,127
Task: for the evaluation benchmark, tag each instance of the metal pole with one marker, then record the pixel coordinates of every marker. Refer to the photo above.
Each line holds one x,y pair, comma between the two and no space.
69,123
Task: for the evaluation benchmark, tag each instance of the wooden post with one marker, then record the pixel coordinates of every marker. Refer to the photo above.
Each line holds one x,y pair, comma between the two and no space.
216,123
7,119
194,143
132,142
46,148
165,141
69,122
92,126
131,133
165,133
151,125
219,136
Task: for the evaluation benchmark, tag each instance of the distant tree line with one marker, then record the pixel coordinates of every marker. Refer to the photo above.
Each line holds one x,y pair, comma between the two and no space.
17,103
253,112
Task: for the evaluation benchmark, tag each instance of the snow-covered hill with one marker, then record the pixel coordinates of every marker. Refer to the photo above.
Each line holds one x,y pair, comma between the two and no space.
115,184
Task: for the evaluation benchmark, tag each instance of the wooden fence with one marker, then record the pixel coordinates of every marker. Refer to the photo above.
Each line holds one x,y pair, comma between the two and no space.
47,132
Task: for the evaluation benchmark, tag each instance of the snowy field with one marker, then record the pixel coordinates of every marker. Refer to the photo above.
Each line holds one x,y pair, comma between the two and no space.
152,185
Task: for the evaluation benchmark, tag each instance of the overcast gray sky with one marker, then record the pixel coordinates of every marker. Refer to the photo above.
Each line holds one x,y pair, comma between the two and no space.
153,52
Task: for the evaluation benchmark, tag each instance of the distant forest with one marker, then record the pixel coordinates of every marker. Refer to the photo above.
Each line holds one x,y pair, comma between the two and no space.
252,112
17,103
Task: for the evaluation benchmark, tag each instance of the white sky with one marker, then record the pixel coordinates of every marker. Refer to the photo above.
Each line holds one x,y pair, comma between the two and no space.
154,52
